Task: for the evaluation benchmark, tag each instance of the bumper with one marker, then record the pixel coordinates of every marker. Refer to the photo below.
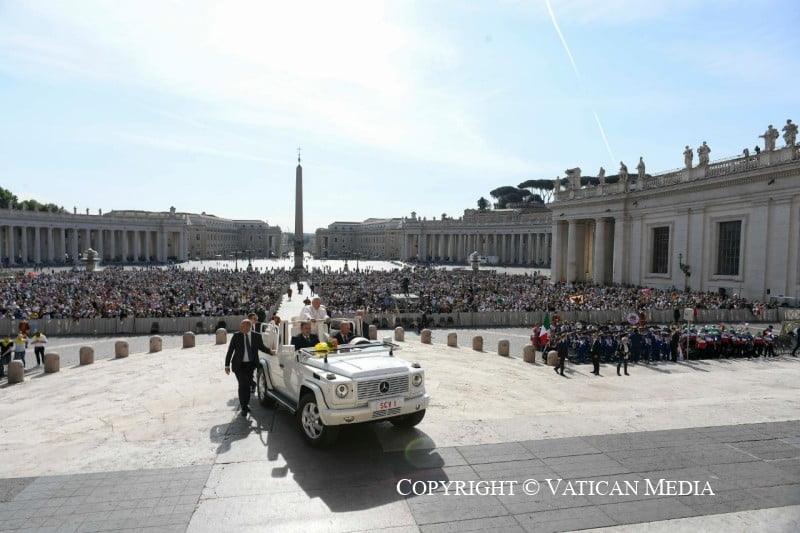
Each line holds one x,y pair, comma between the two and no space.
357,415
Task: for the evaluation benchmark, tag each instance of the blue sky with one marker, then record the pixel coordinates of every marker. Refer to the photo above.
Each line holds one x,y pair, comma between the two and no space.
398,106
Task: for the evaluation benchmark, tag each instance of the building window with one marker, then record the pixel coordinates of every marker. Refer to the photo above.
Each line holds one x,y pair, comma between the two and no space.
728,248
660,262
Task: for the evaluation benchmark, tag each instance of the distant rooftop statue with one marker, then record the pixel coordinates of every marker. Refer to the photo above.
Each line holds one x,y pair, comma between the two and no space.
688,157
703,152
770,136
790,133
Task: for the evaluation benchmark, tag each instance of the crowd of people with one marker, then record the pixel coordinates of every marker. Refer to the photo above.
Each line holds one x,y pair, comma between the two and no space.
448,291
652,344
151,292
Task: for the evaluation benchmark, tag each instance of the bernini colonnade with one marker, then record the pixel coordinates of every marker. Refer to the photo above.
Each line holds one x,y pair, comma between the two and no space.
32,237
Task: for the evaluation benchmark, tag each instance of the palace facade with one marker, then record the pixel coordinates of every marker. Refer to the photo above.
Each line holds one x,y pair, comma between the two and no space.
512,236
36,238
732,225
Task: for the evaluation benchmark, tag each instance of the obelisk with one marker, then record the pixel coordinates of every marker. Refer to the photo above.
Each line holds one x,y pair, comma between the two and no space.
298,215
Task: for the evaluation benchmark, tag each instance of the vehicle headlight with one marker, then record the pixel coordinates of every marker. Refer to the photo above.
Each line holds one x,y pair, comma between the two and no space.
342,390
416,380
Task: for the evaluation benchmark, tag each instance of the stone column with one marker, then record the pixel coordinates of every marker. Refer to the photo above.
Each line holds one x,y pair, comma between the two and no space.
124,245
10,248
50,245
62,243
100,244
73,244
24,244
618,268
572,256
137,245
37,244
146,245
599,261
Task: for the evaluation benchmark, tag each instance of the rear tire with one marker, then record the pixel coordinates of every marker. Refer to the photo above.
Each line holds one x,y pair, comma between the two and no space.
408,421
310,425
261,389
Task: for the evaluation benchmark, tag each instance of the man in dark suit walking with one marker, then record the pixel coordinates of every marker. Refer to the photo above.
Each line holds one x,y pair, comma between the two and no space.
242,357
306,339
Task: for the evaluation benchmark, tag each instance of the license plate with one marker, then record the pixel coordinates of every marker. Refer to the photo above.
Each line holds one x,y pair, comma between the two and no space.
383,405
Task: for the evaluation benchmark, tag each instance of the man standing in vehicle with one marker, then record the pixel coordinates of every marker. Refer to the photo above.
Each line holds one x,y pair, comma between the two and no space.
242,356
315,312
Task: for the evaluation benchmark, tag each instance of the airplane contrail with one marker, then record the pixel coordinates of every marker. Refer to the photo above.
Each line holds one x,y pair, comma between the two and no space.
578,75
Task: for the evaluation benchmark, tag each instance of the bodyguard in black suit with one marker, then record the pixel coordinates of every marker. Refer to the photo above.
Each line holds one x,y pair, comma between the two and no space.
306,339
242,357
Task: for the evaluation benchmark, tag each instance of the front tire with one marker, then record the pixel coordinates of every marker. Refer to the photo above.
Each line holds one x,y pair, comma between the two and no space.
261,389
311,427
408,421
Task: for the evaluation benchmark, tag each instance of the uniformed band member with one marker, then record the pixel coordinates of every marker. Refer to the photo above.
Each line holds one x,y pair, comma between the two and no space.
242,357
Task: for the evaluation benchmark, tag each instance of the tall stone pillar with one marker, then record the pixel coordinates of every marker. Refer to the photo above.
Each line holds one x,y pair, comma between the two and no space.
73,245
37,245
599,261
24,244
146,245
11,249
50,244
62,245
123,234
298,216
618,268
137,246
572,256
100,244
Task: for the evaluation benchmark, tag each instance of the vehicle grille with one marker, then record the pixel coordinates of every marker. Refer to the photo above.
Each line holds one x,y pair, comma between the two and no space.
369,390
386,412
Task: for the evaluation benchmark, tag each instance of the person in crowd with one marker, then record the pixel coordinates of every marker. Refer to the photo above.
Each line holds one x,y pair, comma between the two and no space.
796,341
769,341
562,350
253,318
289,294
674,340
39,341
315,311
20,348
595,351
305,339
242,358
6,349
623,354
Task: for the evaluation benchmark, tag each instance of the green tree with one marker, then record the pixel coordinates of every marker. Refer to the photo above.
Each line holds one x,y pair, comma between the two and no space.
542,187
8,200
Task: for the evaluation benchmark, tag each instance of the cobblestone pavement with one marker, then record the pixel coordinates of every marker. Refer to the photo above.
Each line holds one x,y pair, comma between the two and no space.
151,500
352,487
266,478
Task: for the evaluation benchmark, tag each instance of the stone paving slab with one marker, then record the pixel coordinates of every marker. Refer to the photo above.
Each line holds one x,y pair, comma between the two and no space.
281,484
164,499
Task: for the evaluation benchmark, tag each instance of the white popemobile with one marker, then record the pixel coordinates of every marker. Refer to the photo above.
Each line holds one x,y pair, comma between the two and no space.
359,382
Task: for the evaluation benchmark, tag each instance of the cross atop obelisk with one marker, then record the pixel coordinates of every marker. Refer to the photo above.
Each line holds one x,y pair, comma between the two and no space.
298,215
